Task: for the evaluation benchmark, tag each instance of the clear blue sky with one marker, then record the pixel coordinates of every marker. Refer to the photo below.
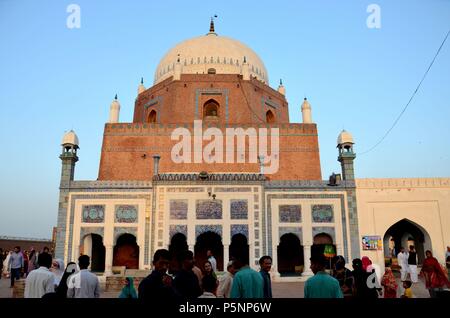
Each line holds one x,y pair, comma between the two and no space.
53,79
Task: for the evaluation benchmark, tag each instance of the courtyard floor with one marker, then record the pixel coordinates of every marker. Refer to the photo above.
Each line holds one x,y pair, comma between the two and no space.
279,290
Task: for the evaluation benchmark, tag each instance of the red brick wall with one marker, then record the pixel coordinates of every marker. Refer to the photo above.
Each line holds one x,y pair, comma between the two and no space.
124,147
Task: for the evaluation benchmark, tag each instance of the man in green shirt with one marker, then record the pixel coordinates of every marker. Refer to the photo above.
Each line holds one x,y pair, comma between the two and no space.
247,283
321,285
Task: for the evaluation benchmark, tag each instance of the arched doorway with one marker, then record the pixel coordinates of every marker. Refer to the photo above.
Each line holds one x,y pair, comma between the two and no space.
94,248
405,233
290,255
152,116
126,252
209,241
239,247
178,244
323,244
210,108
270,118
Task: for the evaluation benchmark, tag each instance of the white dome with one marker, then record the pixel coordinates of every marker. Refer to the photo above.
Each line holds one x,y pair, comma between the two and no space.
70,138
345,137
198,55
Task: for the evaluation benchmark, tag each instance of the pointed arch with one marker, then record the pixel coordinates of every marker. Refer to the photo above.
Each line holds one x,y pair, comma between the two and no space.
270,117
152,117
211,108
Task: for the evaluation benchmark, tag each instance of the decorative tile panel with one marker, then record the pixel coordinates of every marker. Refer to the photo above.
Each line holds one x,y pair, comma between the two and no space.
238,209
178,209
90,230
118,231
126,214
290,213
93,214
199,229
208,209
290,229
177,228
324,229
322,213
239,229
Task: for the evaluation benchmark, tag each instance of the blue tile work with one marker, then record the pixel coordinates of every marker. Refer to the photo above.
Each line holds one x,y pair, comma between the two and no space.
95,196
208,209
290,213
199,229
239,229
178,209
177,228
93,214
290,229
126,214
322,213
239,189
238,209
324,229
271,197
85,230
118,231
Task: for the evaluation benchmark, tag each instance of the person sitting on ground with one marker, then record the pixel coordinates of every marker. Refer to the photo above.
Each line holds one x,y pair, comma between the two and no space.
321,285
408,292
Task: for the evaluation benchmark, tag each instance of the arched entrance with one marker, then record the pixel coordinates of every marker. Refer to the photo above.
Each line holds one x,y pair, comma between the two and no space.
209,241
323,244
178,244
239,247
152,116
126,252
290,255
94,248
405,233
270,117
211,108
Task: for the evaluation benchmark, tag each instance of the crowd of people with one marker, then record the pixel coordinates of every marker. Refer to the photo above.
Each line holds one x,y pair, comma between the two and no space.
47,277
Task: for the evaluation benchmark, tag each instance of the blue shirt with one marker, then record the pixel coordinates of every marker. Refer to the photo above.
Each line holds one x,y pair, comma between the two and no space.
247,283
16,260
322,285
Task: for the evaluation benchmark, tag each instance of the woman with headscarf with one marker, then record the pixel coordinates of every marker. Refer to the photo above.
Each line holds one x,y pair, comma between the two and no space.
389,283
32,259
61,290
128,290
57,269
435,279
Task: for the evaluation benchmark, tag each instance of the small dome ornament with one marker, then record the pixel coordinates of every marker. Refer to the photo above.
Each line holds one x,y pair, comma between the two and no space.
345,138
70,138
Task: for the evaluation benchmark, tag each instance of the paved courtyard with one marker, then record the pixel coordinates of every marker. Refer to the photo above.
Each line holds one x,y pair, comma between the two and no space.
280,290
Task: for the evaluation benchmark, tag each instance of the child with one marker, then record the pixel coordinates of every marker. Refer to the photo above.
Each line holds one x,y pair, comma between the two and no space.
408,292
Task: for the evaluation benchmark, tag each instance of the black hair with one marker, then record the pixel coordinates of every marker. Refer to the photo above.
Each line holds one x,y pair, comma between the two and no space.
318,259
18,247
209,283
262,259
161,253
187,255
83,261
408,283
45,260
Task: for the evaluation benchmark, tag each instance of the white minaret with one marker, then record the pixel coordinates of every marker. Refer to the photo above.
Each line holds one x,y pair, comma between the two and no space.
141,87
281,88
177,71
245,70
114,111
306,112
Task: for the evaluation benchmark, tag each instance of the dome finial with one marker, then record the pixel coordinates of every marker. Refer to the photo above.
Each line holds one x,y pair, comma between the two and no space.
115,97
211,25
281,82
142,80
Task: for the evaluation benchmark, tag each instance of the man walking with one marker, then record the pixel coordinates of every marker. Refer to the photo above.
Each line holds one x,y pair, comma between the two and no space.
83,284
16,264
247,283
321,285
412,264
266,264
402,258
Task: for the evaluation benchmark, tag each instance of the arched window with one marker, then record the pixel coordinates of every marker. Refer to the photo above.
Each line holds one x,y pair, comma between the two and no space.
211,108
270,118
152,116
